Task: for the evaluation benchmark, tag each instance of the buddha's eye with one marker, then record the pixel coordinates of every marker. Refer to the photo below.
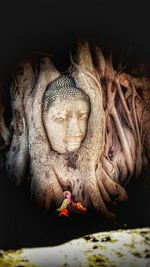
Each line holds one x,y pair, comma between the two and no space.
83,116
60,118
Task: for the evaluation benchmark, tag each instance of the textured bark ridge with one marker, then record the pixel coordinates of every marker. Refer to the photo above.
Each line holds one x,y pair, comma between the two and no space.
4,131
118,127
17,156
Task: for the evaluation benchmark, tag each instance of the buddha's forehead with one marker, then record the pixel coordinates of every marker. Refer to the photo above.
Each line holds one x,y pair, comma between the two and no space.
69,105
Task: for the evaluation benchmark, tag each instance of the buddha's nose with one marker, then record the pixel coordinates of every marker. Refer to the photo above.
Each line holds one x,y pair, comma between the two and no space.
73,128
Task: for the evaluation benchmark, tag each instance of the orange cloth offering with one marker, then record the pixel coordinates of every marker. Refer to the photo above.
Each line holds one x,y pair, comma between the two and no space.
63,210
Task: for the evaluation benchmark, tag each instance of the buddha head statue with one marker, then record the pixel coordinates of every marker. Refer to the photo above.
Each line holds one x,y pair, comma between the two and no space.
66,110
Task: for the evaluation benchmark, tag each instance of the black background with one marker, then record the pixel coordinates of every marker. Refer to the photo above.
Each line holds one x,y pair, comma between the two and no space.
28,27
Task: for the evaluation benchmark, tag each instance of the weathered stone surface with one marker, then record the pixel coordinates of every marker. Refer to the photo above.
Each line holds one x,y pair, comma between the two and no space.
114,249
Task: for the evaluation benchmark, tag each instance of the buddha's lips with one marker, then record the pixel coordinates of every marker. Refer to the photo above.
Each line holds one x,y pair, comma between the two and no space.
74,140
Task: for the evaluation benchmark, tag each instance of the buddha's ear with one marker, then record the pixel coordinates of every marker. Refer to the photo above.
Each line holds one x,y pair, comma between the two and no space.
84,57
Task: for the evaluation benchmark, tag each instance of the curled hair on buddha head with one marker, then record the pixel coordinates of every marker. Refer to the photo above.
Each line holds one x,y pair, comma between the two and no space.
62,88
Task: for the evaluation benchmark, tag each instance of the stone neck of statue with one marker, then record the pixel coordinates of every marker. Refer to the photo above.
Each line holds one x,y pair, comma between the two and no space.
66,110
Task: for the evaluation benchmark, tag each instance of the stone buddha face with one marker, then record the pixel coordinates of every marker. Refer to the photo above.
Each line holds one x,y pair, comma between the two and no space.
66,112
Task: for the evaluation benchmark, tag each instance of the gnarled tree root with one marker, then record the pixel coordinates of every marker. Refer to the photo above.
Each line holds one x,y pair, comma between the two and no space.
97,173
